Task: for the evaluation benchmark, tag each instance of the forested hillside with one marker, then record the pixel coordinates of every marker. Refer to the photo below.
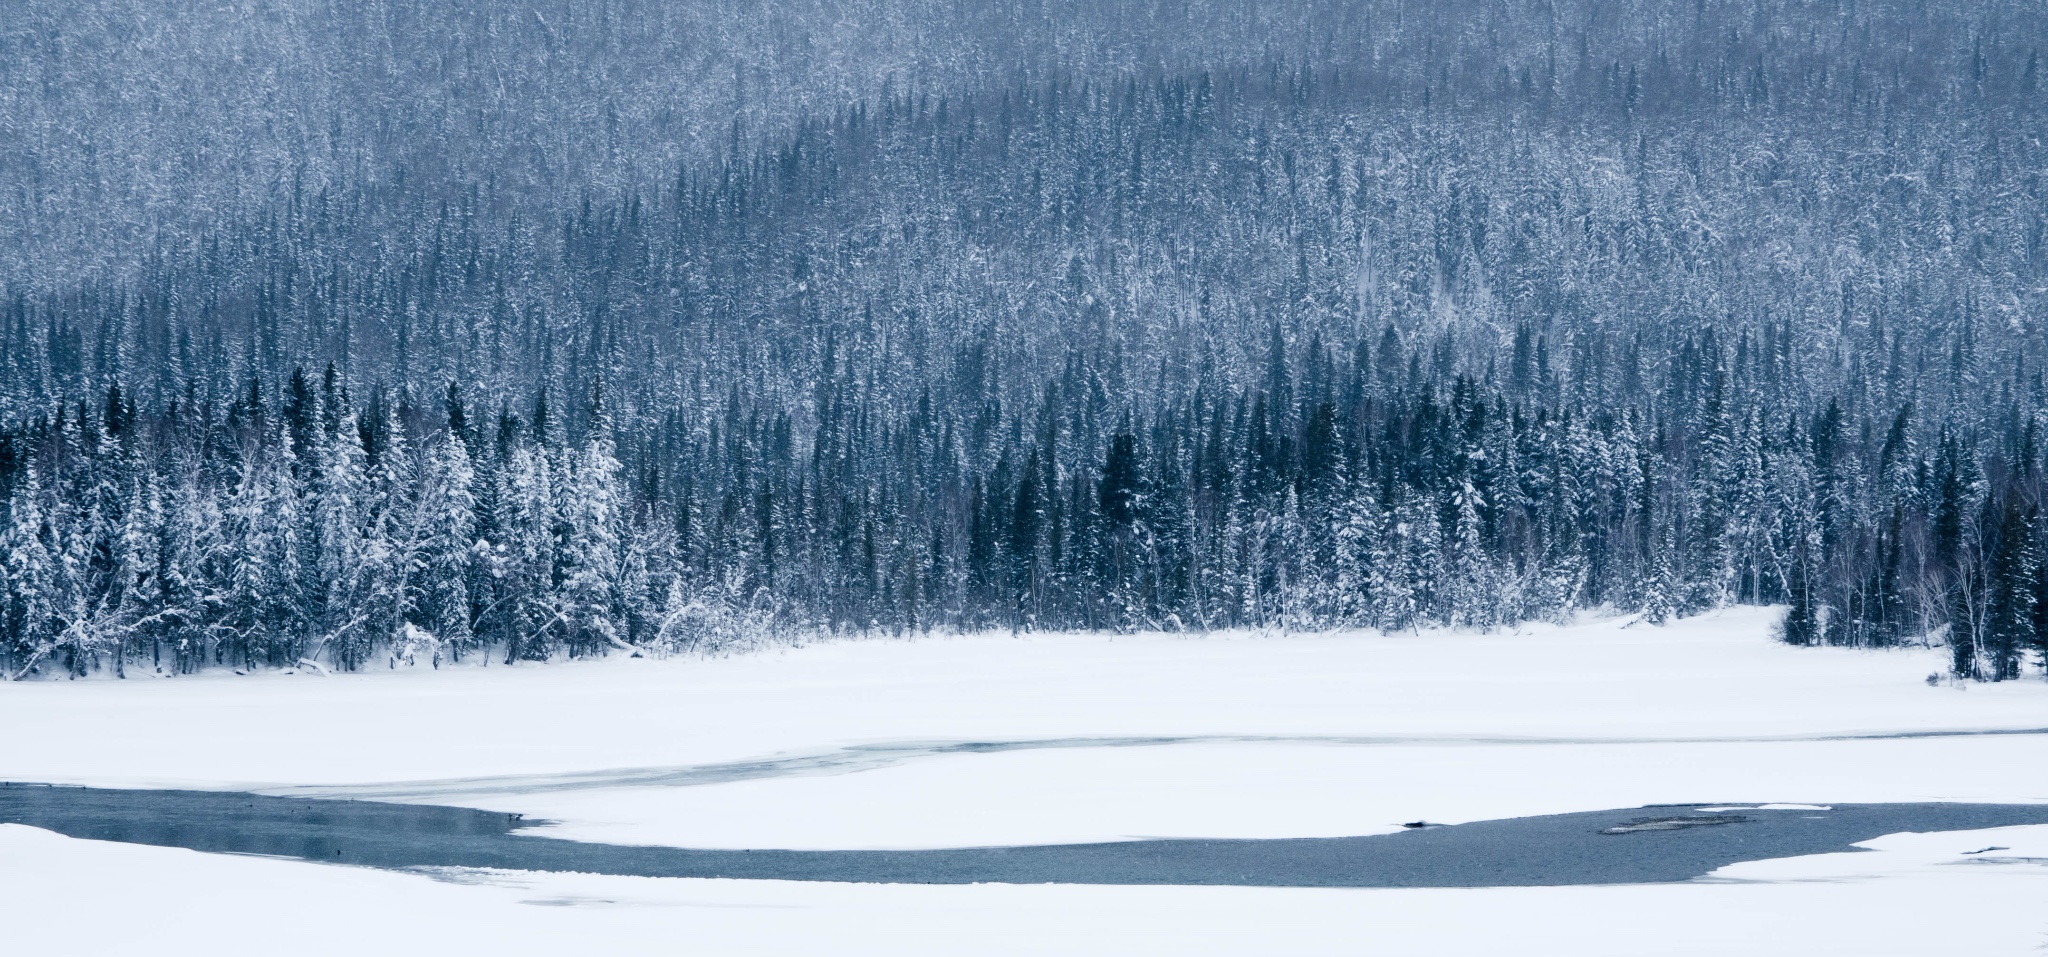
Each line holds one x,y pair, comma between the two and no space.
1384,314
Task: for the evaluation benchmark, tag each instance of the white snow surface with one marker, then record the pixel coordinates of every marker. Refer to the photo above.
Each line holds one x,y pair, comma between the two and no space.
1292,736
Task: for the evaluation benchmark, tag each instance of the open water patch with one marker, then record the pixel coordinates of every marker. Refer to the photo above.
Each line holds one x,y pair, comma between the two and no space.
1620,846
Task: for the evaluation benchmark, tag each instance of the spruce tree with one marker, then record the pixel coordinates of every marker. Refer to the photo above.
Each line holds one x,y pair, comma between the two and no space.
2013,573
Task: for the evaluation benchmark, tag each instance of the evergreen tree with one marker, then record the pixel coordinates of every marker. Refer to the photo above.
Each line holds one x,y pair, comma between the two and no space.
593,514
445,527
32,613
2015,567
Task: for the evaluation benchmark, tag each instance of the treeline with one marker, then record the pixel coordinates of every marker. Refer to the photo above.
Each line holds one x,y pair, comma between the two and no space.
967,246
1350,488
1477,316
129,127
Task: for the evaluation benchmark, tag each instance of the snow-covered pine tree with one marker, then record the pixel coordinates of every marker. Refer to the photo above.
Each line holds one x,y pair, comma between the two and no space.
1360,533
444,526
592,509
528,570
2015,565
391,539
32,614
339,578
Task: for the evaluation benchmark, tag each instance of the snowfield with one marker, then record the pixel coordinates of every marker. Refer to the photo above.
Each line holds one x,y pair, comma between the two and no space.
1040,739
1919,895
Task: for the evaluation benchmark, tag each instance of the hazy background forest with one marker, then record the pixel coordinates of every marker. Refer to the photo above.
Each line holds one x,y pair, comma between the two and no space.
357,333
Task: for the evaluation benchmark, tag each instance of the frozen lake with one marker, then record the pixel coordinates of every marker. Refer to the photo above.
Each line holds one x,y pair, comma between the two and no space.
1258,782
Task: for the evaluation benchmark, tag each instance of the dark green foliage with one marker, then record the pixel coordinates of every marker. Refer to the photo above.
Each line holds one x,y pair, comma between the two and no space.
2009,630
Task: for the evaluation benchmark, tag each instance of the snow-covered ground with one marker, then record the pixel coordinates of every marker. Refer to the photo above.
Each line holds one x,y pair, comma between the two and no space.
855,744
1917,897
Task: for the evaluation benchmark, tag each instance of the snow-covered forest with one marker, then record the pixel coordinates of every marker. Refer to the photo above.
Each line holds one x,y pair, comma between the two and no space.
423,334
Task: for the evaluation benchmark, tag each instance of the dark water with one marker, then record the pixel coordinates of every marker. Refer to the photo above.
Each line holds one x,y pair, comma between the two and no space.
1631,845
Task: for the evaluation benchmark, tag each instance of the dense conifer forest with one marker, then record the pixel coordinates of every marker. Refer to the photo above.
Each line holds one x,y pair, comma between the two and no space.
1387,314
